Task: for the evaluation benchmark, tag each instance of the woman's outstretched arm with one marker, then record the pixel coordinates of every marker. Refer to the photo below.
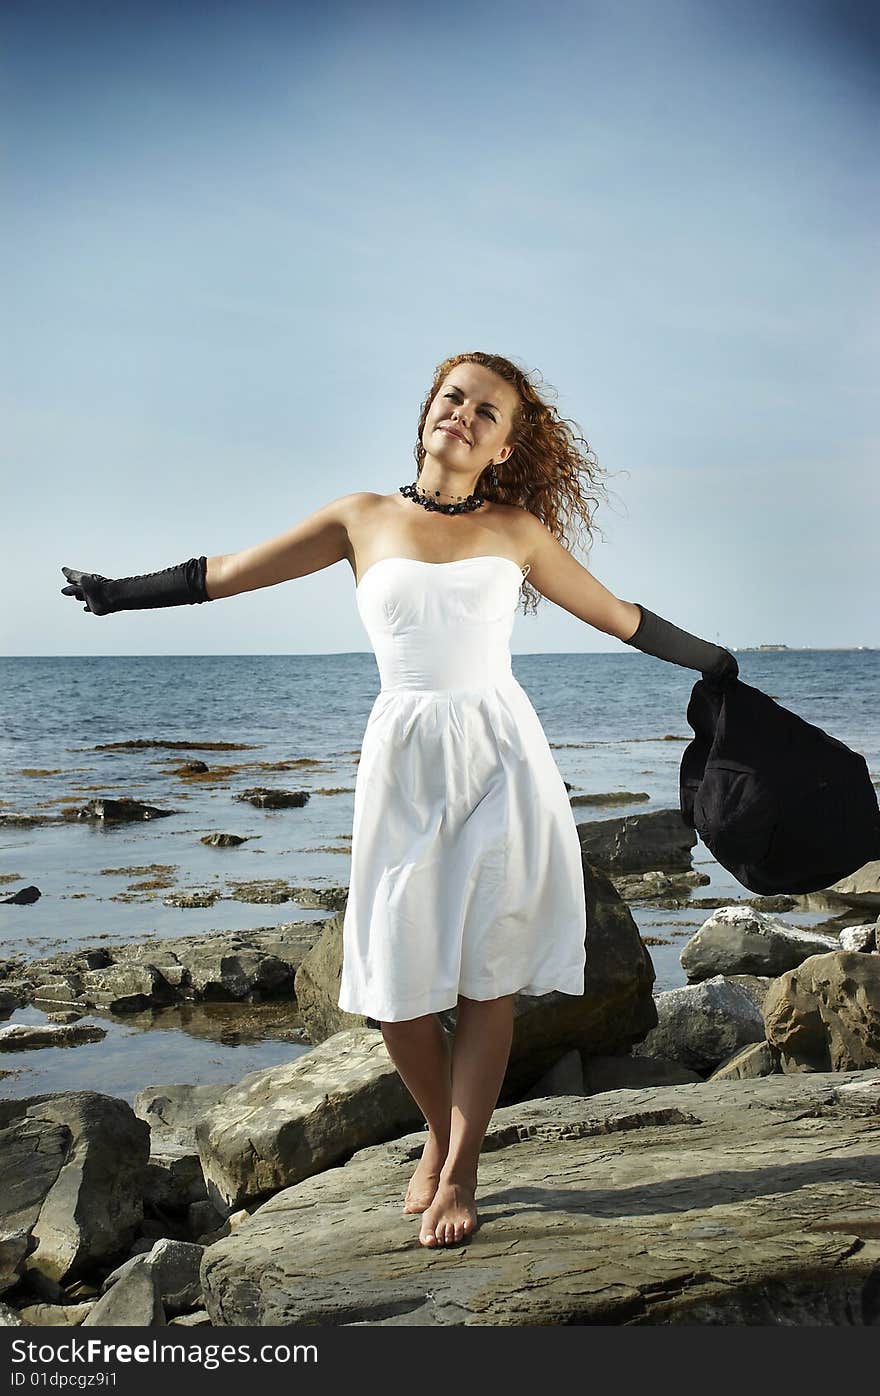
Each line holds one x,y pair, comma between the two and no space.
309,546
561,578
316,542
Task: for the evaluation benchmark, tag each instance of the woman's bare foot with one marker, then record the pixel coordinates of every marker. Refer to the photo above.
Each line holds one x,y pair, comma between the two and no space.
423,1183
451,1216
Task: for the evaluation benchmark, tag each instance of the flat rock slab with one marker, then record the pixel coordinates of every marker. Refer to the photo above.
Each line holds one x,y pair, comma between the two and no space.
734,1202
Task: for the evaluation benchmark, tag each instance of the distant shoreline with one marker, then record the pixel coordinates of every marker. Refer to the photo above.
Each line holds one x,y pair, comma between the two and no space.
801,649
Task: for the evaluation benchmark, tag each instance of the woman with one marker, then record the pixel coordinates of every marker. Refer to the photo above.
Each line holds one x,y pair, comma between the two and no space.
466,883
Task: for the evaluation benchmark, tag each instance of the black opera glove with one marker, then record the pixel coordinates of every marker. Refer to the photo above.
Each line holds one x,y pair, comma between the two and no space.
182,585
663,640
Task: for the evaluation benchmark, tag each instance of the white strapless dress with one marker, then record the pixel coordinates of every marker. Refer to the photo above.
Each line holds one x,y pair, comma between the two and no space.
466,873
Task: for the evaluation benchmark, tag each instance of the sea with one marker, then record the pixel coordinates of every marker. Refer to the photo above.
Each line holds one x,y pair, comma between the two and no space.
615,722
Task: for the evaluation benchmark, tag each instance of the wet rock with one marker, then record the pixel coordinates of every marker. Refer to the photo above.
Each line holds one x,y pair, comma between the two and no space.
9,1002
118,811
264,798
670,890
703,1024
187,901
224,840
639,842
27,1037
65,987
25,897
126,988
741,940
10,1318
609,797
719,1203
825,1015
779,901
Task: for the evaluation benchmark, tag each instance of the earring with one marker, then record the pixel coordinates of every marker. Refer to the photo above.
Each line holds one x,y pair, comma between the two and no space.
493,478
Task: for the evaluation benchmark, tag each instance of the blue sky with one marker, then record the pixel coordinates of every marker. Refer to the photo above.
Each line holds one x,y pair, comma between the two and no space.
239,237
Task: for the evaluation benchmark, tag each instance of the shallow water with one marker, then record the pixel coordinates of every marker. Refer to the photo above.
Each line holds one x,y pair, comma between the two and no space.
614,722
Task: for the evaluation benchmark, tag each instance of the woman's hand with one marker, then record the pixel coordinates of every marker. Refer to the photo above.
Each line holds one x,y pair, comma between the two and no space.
88,587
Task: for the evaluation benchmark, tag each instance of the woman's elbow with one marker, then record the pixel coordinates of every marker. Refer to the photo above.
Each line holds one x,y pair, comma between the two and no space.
628,621
216,583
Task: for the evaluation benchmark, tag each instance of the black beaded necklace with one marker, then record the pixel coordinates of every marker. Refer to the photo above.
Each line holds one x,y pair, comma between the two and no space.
432,502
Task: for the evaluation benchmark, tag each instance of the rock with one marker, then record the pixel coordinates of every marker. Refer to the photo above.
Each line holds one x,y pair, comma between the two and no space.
9,1001
825,1015
56,1315
755,985
616,1010
14,1246
172,1111
224,840
133,1302
199,1318
13,819
10,1318
759,1059
26,896
65,987
187,901
633,1073
862,938
609,797
741,940
861,889
203,1218
639,842
777,901
702,1024
174,1180
283,1124
718,1203
126,988
26,1037
175,1268
118,811
673,888
264,798
241,975
244,965
566,1077
72,1168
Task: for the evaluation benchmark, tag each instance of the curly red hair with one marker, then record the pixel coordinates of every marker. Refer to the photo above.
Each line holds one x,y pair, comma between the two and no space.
553,471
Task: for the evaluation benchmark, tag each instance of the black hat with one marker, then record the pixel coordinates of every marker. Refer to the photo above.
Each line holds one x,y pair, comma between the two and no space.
778,802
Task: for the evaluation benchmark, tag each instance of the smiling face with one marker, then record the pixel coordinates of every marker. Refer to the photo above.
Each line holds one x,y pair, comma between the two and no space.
470,418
